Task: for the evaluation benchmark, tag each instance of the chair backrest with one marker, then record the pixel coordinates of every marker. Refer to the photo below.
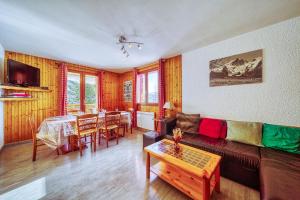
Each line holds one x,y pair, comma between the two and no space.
31,121
87,122
112,118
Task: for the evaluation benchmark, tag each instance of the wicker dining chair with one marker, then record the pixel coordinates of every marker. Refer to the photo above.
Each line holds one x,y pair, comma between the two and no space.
87,127
110,128
35,141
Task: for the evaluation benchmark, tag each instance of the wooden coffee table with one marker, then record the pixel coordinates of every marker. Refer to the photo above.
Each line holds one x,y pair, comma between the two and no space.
192,171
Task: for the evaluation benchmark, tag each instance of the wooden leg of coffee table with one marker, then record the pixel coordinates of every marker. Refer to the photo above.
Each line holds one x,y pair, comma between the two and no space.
148,166
217,179
206,188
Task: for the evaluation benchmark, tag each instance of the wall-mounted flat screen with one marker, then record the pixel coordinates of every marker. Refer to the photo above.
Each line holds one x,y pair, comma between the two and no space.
22,74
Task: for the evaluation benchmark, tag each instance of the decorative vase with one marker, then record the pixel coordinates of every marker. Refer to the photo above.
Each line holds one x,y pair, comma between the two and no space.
177,136
176,144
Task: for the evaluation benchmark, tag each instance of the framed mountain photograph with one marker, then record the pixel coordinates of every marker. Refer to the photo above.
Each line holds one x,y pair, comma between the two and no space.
127,91
237,69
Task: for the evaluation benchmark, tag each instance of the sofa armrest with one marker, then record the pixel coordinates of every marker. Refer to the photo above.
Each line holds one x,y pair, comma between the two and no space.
167,125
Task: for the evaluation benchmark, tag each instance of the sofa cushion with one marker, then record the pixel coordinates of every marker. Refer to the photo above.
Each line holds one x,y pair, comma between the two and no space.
244,132
205,143
213,128
188,122
279,174
246,155
282,137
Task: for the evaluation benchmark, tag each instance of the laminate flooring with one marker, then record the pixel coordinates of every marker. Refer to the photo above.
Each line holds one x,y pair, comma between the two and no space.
117,172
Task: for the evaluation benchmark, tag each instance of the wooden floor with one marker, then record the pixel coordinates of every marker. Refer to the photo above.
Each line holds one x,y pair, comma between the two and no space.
114,173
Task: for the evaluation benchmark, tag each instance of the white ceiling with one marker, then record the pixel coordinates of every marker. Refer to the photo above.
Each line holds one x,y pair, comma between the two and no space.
86,31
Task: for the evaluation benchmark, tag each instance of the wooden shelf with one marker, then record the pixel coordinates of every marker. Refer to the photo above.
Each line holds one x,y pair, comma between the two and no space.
32,89
17,99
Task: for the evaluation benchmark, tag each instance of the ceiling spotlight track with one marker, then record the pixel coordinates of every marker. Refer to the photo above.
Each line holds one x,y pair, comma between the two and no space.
123,41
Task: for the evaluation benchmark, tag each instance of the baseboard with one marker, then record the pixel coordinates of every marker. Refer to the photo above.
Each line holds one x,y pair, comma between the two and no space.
16,143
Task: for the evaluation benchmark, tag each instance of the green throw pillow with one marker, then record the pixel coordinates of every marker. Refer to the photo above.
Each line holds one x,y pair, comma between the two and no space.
244,132
281,137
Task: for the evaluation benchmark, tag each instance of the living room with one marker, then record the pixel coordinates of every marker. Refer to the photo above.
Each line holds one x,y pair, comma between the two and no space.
178,100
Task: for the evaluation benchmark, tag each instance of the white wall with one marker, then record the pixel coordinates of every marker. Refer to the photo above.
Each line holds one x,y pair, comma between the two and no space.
1,103
276,100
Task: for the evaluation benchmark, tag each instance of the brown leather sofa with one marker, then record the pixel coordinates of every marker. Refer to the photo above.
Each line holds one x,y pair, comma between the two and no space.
275,173
279,174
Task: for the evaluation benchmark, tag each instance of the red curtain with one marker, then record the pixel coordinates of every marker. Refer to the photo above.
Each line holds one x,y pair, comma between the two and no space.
100,90
63,72
134,104
161,89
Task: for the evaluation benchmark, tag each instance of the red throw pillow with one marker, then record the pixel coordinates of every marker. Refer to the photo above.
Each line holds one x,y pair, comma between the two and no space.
213,128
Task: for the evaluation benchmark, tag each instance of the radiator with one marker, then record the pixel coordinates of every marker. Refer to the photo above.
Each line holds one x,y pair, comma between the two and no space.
145,120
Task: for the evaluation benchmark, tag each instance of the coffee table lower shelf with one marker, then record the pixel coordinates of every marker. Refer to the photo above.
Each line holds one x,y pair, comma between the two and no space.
187,183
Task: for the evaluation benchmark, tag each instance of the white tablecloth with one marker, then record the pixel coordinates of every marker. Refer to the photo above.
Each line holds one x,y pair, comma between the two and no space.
54,130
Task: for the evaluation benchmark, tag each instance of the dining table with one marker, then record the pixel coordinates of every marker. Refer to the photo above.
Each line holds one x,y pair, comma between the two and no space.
57,131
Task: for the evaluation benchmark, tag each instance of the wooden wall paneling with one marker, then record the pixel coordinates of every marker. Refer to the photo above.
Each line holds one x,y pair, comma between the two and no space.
127,76
19,119
149,108
110,90
81,68
148,67
17,113
7,119
173,81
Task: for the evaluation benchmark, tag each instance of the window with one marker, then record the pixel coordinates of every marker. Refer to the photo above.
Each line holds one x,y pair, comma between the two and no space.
73,92
147,88
81,92
153,87
90,93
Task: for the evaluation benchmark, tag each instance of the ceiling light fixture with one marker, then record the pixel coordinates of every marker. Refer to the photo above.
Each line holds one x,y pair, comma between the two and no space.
123,41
